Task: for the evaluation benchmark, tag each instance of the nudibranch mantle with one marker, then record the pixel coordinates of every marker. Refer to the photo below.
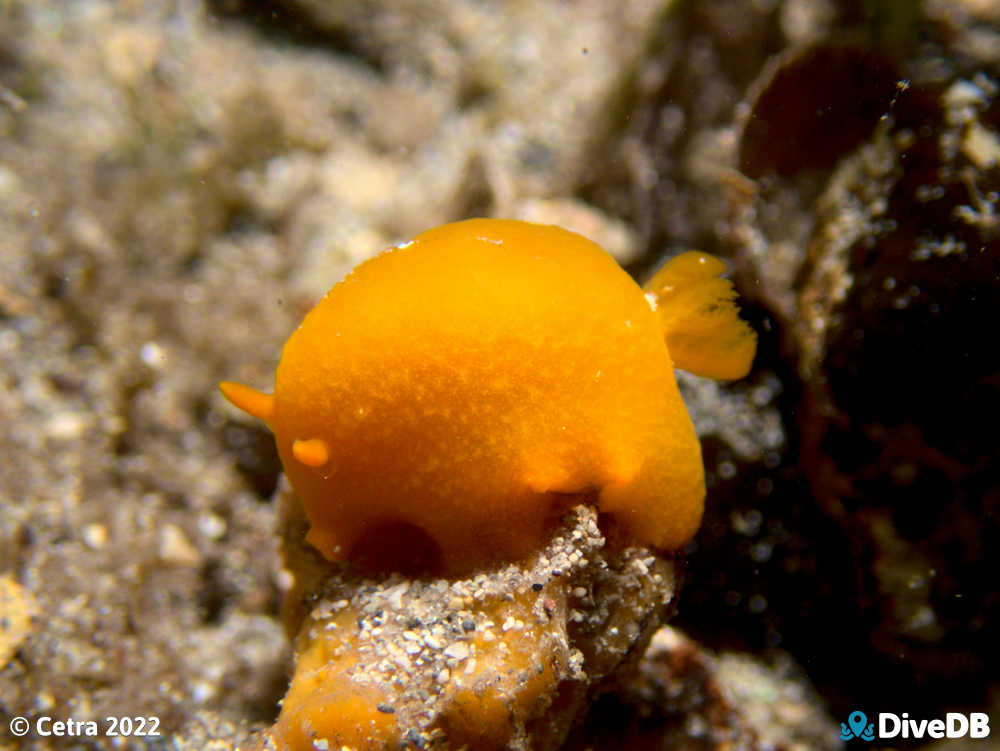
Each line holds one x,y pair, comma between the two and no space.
472,383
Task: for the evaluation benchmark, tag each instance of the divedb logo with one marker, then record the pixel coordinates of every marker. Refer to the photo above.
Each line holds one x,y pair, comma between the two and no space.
954,725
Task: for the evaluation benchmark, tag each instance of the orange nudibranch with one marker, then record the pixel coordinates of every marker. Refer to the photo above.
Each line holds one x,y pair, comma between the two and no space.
460,389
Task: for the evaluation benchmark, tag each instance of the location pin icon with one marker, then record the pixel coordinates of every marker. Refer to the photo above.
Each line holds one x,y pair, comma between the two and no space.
857,721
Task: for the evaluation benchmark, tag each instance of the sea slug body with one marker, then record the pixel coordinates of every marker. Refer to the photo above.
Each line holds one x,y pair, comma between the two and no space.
447,401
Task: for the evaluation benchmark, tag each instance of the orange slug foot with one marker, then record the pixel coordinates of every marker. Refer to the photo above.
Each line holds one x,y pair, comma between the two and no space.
504,659
461,386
